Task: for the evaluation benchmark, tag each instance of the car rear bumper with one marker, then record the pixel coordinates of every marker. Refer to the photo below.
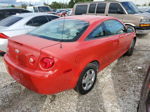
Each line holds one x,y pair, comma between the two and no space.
41,82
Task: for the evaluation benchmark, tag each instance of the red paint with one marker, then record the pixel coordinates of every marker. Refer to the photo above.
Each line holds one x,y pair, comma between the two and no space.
3,36
64,63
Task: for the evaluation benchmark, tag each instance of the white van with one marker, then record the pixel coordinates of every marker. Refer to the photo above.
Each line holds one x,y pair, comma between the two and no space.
39,9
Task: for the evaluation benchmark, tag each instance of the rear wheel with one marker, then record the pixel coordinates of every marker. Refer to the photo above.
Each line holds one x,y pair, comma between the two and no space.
87,79
131,48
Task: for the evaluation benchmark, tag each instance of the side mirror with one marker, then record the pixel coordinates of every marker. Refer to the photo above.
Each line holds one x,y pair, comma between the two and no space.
130,29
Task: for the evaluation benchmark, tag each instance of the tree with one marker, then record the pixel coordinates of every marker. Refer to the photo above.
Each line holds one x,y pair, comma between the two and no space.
72,2
57,5
12,5
24,6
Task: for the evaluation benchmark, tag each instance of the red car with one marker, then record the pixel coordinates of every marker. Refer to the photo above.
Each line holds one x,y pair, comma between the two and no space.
67,53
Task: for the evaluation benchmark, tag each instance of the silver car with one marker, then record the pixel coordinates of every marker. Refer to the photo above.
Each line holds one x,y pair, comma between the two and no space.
21,24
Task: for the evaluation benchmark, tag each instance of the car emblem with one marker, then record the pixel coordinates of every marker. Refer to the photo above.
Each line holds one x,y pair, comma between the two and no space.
17,51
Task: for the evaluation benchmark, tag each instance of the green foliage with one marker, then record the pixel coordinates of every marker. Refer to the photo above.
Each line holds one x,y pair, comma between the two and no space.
24,6
57,5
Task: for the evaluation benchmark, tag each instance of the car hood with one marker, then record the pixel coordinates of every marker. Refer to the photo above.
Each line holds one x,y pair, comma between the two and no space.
145,15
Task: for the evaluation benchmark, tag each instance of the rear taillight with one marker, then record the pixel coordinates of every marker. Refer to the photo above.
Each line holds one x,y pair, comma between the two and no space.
3,36
46,63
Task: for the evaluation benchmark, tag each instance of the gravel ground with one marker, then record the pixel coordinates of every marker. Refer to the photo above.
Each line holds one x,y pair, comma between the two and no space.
117,89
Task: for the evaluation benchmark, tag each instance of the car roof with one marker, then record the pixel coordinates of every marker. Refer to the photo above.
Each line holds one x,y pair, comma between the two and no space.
89,18
32,14
111,1
11,8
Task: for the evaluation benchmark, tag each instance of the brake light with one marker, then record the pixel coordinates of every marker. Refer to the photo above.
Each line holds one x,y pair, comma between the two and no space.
3,36
46,63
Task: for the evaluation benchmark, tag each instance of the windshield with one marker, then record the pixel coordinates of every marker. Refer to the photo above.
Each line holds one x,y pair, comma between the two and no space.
44,9
61,30
10,21
130,7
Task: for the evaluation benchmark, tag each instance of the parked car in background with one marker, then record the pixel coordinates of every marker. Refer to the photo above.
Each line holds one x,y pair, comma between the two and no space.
5,12
127,12
64,12
21,24
68,53
143,9
148,10
144,105
61,12
39,9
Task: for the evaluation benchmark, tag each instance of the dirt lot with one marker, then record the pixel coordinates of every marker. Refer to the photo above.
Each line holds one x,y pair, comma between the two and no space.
117,88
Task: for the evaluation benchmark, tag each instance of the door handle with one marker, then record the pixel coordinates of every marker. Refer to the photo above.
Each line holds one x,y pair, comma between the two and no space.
127,34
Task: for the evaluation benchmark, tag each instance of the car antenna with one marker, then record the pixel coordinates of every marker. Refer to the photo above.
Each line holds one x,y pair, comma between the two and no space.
63,25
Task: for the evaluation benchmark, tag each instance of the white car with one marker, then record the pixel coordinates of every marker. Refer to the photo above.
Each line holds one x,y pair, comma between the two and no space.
21,24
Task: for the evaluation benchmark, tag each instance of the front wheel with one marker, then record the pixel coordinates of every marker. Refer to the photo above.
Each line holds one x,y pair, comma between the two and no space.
87,79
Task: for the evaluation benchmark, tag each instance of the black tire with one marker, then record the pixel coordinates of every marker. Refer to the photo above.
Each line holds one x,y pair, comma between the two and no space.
79,87
131,49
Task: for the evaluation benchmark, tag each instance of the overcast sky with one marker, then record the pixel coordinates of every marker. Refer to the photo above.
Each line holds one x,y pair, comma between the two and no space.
49,1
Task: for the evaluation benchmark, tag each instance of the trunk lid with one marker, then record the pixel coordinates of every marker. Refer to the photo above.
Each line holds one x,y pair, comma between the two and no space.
22,48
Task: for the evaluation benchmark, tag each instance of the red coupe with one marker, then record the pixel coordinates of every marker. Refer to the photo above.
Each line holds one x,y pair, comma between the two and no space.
67,53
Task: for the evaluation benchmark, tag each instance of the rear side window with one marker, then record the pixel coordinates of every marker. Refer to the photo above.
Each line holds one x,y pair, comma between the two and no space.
97,33
81,9
37,21
101,8
92,8
10,21
115,8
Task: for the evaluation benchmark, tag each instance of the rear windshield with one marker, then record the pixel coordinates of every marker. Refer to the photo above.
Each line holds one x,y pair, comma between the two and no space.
61,30
10,21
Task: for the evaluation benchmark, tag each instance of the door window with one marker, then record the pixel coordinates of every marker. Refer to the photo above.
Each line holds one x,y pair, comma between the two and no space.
37,21
81,9
107,28
101,8
92,8
116,8
97,33
113,27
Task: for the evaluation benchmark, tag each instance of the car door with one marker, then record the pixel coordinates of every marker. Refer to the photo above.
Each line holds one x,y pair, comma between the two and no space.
35,22
103,44
123,36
